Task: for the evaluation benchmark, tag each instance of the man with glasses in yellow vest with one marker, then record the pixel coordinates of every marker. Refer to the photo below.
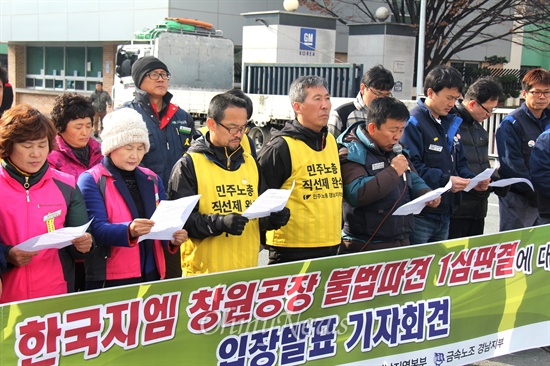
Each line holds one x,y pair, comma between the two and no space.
228,179
246,141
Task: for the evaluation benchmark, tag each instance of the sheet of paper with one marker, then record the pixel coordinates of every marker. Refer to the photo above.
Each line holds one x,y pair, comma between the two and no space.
417,205
55,240
487,173
170,216
272,200
510,181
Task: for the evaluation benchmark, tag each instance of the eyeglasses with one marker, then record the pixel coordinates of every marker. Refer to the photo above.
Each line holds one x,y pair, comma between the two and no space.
538,93
380,94
157,75
235,130
485,109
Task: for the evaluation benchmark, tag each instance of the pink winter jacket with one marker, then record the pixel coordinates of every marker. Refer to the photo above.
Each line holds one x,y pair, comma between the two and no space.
63,159
24,215
124,259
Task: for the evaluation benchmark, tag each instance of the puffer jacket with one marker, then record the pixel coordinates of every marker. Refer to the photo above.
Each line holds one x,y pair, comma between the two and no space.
372,189
170,133
64,159
24,214
475,143
111,205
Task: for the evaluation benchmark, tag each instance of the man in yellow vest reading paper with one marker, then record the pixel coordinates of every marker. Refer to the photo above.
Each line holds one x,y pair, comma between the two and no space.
305,153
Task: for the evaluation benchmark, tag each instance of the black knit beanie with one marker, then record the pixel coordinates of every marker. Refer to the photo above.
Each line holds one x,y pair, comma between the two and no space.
144,65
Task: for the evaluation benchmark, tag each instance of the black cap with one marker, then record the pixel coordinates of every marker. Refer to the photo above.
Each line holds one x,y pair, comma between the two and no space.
144,65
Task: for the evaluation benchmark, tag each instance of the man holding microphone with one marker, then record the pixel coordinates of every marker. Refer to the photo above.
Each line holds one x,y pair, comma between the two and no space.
378,178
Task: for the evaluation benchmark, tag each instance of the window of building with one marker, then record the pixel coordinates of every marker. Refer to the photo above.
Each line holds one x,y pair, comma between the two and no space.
461,65
64,68
4,60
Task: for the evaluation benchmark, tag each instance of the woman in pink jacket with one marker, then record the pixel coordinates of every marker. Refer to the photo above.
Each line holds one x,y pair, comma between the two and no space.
35,200
76,150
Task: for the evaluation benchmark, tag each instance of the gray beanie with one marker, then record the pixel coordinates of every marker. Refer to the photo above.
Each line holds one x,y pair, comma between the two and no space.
144,65
122,127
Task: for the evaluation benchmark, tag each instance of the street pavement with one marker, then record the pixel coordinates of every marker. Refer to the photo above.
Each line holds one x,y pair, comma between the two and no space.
532,357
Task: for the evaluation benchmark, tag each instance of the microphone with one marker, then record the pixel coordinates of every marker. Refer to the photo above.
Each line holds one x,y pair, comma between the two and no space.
398,150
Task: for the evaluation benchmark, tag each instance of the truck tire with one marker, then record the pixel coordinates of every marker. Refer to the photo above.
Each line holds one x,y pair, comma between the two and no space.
259,136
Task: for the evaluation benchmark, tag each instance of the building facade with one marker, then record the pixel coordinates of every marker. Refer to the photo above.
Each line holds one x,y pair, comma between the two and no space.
69,45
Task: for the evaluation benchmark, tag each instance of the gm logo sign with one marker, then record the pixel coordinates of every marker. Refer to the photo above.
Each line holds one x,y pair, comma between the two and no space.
308,38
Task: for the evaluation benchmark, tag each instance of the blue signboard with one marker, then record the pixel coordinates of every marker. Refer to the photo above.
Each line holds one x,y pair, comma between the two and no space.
308,38
398,86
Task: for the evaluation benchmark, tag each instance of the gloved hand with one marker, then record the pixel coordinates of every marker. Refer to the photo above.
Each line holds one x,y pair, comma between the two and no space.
233,223
278,219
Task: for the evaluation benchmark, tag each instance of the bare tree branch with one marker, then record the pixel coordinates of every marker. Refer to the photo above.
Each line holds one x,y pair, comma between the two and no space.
452,26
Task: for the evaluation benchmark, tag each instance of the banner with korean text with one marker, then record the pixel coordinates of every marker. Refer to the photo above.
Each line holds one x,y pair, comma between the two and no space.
448,303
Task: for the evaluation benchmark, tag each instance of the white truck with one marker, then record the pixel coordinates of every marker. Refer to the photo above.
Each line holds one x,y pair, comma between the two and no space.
201,62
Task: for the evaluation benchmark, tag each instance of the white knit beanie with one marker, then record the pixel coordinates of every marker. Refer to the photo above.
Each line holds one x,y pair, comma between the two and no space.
122,127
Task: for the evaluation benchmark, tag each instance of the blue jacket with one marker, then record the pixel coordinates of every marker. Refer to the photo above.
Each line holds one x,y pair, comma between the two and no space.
516,137
110,235
436,152
372,189
540,172
169,143
3,258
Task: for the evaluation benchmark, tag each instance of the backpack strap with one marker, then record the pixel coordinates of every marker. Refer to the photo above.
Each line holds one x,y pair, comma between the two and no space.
344,111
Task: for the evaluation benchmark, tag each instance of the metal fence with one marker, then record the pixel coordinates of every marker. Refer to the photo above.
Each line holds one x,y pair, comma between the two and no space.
509,78
274,79
491,124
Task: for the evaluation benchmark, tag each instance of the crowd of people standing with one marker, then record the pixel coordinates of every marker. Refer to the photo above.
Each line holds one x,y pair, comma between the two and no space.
350,168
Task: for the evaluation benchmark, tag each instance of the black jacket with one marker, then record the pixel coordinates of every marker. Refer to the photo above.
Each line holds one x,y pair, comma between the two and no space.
475,144
274,158
183,183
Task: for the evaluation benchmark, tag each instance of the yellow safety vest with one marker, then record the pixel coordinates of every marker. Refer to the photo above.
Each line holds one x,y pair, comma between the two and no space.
223,192
316,201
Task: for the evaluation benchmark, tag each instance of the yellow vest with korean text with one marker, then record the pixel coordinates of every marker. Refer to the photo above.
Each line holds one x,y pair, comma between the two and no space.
316,200
224,192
